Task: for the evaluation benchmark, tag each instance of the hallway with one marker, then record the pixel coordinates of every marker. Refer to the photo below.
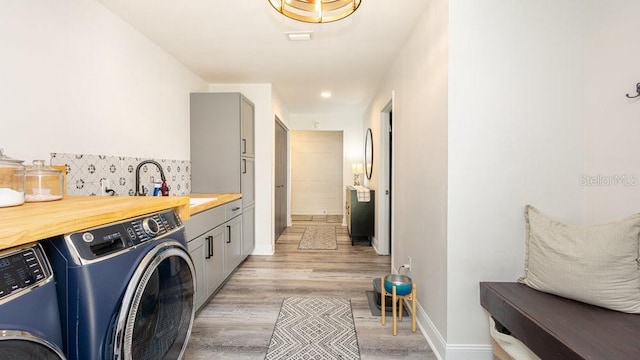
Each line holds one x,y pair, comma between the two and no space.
238,322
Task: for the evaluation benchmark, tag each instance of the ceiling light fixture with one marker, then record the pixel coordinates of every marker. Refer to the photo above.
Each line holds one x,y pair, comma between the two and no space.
326,94
315,11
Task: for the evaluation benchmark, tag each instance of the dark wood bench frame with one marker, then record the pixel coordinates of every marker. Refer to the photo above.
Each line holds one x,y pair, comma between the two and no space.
554,327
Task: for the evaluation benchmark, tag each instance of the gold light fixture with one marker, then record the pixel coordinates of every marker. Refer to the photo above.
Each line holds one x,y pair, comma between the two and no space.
315,11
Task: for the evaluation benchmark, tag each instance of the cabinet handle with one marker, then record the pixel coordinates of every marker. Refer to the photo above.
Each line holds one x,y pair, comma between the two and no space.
229,233
244,166
235,208
209,247
244,146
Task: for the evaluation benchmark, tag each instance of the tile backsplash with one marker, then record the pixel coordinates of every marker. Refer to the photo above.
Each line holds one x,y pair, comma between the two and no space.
84,172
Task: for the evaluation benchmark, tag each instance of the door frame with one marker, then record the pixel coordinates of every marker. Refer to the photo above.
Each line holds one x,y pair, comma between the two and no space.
287,174
385,180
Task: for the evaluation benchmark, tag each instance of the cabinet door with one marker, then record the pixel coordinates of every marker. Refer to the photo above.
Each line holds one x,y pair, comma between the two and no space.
247,115
198,252
247,181
215,142
214,263
361,215
233,244
248,232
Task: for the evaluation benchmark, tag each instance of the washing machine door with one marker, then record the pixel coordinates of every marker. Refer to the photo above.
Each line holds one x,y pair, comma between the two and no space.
157,310
22,345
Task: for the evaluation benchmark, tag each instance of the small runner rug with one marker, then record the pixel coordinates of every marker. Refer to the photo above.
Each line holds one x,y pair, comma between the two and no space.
314,328
319,237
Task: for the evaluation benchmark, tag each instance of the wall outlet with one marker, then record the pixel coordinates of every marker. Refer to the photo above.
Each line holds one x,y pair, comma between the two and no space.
104,185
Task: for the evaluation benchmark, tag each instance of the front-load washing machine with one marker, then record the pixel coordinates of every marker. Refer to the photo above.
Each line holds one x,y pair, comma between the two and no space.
29,318
126,289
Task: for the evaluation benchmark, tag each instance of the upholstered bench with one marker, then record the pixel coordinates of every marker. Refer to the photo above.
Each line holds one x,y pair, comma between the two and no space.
554,327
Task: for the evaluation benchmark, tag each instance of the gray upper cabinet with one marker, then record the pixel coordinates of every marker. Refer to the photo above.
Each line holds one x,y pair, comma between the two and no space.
222,134
247,184
247,128
223,155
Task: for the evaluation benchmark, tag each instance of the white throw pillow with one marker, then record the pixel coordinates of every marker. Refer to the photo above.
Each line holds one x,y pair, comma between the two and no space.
595,264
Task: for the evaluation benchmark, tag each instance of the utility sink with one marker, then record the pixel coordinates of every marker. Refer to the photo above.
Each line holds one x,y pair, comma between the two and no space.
198,201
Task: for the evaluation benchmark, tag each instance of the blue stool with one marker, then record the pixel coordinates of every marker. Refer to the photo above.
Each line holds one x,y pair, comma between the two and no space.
399,288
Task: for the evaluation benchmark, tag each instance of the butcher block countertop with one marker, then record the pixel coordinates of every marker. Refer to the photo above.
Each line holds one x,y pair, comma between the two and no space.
216,200
36,221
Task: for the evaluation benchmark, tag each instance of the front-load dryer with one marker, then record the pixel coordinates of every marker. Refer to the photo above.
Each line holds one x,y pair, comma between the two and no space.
29,318
126,289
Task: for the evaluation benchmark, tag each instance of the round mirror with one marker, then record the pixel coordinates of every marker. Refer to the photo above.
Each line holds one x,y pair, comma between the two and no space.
368,154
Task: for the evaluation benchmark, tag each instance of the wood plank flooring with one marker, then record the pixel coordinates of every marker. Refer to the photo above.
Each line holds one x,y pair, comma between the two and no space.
238,321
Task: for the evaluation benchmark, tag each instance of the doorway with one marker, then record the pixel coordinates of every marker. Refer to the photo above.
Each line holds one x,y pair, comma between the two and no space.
280,181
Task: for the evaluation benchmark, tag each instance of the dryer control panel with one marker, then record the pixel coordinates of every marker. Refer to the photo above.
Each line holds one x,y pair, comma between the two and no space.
100,242
22,269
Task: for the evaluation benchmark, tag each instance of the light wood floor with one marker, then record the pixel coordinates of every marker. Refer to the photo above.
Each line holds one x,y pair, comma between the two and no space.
238,321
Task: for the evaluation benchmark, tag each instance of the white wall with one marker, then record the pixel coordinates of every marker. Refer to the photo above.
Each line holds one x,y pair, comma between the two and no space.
78,79
516,137
418,79
613,121
488,116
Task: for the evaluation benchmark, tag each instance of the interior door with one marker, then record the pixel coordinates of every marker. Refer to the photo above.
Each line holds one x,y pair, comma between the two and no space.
280,211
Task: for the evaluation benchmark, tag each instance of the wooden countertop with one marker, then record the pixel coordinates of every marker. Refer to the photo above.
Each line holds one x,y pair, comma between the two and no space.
40,220
220,199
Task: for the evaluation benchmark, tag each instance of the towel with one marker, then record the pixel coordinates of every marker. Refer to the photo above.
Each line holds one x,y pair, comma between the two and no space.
363,194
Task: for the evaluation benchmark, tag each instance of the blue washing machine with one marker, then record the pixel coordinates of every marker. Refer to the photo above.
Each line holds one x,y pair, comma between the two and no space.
29,318
125,290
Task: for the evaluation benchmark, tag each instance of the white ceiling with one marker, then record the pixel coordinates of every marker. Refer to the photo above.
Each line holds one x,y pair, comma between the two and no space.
236,41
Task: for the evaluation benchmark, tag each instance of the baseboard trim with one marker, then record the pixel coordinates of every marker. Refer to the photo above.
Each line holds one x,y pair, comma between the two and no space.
469,351
263,250
430,332
444,351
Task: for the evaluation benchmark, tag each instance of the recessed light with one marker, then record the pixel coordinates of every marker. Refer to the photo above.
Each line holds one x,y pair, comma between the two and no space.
325,94
299,35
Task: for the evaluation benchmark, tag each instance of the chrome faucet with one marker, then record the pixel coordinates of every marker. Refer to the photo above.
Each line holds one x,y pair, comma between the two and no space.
144,192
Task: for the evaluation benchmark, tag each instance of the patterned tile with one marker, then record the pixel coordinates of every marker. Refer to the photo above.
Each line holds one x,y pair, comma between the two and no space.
84,172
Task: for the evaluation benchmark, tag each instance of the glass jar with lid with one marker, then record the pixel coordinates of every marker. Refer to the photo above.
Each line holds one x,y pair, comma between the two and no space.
43,183
11,181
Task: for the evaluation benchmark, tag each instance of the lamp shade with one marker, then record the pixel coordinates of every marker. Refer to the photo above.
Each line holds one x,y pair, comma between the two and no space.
315,11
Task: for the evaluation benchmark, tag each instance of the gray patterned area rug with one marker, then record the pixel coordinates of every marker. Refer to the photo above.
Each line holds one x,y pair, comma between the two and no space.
319,237
314,328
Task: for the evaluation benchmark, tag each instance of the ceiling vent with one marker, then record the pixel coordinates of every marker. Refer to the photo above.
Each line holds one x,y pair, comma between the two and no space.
299,35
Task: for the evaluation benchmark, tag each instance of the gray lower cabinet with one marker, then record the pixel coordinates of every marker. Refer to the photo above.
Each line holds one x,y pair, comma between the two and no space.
248,231
215,244
207,253
233,244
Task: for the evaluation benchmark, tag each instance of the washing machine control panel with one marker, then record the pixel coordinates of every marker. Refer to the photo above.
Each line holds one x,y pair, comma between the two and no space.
21,269
104,241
